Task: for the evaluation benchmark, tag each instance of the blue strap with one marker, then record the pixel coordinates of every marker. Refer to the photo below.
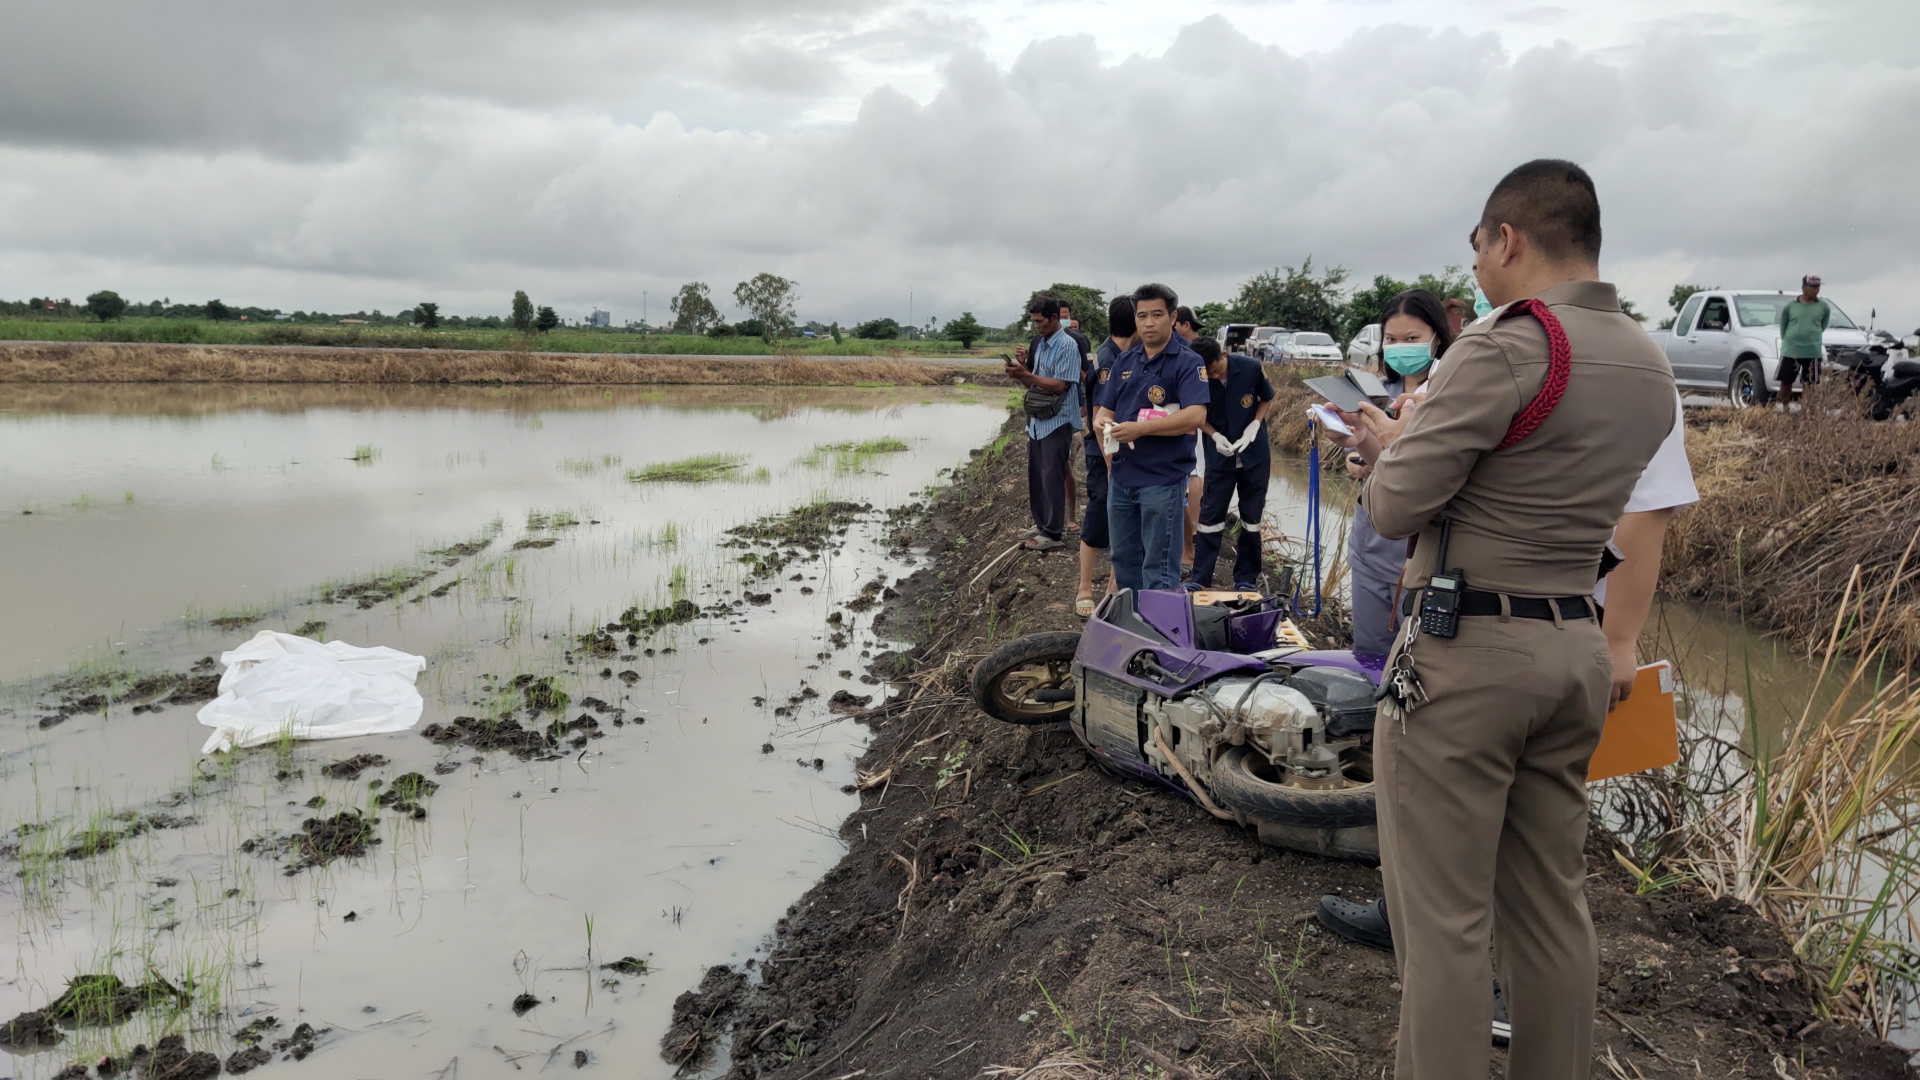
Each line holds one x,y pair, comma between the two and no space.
1313,517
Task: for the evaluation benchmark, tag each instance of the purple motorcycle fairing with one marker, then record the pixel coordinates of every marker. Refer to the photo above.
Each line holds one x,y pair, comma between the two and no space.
1108,650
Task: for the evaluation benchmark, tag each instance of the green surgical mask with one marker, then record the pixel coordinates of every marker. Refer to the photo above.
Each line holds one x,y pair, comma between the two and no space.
1410,359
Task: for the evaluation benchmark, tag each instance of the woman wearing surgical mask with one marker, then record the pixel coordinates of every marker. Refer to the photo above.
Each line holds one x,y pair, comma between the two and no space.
1414,331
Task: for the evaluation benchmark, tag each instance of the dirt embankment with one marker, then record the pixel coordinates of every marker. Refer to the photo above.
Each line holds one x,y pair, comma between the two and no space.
92,362
1003,903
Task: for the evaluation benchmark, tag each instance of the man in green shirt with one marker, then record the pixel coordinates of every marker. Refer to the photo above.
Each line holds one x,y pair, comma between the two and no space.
1802,320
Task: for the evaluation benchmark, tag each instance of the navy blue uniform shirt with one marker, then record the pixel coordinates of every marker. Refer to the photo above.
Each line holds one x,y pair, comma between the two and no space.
1097,375
1232,407
1172,381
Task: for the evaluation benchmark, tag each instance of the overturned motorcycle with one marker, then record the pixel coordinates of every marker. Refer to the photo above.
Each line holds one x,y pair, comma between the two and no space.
1217,696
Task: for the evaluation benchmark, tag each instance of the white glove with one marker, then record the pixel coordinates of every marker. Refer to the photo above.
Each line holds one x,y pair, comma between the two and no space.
1246,438
1227,449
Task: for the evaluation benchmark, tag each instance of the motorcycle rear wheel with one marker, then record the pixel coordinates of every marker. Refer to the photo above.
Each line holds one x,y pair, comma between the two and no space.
1006,683
1238,782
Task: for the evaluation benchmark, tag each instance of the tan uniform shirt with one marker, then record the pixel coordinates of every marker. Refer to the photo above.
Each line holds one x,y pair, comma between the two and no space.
1530,520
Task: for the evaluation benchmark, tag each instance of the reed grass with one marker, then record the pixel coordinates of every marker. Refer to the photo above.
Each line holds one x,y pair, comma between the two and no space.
1816,833
1791,508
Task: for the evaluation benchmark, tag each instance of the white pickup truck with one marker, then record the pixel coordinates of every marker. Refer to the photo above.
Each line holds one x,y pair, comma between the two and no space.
1728,341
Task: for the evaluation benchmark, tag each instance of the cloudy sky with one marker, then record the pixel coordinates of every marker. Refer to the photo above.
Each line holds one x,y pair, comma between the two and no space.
360,154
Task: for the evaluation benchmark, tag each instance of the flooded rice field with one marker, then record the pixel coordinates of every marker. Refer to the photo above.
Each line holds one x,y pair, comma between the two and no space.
646,617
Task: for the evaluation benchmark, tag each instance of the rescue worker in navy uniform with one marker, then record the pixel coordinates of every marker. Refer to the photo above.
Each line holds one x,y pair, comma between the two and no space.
1238,461
1528,451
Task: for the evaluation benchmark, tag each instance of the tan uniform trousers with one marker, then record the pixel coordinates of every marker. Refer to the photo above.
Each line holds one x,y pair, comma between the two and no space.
1483,821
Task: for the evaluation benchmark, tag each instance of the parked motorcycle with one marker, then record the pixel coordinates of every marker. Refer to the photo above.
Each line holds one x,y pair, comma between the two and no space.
1884,372
1214,695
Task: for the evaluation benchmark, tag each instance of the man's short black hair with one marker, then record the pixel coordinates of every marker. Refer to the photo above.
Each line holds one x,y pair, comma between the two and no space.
1208,349
1120,322
1551,202
1153,290
1185,315
1047,307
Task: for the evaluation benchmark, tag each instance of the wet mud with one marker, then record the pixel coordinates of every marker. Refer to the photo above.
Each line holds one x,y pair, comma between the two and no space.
1041,911
78,695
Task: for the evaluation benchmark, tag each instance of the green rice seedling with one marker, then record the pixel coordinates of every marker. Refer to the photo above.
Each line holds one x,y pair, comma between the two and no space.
694,470
852,457
129,497
83,502
364,454
1059,1014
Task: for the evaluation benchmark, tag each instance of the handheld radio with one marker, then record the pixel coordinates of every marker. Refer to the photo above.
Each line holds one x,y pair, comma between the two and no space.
1440,600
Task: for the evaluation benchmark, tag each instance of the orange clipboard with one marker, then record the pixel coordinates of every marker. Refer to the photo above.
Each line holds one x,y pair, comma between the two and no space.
1642,732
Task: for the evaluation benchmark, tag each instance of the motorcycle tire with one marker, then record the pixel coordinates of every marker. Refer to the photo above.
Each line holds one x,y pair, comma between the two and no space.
1235,784
1004,684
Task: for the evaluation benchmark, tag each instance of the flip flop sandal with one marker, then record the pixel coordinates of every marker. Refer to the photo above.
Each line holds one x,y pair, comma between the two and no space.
1083,607
1042,543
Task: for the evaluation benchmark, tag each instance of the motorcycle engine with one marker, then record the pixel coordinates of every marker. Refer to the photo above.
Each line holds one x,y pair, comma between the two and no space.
1300,722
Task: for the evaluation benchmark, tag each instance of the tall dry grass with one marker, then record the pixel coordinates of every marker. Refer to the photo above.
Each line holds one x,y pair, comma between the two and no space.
1815,833
1790,506
102,362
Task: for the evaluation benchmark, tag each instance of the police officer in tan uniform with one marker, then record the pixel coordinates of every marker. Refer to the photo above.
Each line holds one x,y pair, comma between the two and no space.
1522,454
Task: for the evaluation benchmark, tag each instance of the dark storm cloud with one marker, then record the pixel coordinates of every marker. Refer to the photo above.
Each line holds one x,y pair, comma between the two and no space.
303,81
1203,164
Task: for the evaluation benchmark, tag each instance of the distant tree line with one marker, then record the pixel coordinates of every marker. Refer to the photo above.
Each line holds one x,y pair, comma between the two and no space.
1298,298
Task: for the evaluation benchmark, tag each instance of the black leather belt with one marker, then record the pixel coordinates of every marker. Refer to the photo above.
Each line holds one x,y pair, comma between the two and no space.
1476,602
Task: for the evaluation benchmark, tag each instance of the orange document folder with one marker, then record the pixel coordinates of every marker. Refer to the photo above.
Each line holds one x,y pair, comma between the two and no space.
1642,732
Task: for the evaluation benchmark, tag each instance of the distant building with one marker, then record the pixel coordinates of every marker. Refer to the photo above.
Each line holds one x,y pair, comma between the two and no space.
600,318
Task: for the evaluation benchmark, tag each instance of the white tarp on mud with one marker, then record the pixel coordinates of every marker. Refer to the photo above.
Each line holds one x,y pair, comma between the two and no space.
278,683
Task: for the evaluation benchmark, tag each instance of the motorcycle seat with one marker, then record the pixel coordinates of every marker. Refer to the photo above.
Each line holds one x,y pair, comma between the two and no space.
1906,369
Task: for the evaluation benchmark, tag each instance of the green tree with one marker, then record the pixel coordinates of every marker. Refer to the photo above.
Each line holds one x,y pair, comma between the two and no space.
522,311
1680,293
878,330
835,331
1089,308
768,298
693,310
966,330
1678,297
1213,315
426,316
1631,312
545,319
218,311
1452,283
106,305
1365,306
1294,298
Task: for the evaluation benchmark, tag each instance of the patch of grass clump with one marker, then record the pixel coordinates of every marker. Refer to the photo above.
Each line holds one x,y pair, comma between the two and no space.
364,454
694,470
850,456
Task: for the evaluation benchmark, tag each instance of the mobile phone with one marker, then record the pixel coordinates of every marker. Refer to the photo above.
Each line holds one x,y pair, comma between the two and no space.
1369,384
1343,394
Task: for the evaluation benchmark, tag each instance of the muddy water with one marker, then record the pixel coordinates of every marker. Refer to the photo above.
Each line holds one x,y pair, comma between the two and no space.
678,839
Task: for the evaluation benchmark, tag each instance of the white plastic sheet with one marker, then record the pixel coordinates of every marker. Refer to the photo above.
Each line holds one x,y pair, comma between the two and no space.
278,683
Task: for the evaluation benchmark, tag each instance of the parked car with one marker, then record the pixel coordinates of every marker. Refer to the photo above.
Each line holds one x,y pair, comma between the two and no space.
1310,347
1364,344
1728,341
1260,344
1238,338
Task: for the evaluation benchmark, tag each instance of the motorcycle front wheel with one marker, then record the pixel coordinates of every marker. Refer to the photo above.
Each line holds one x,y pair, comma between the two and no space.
1028,680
